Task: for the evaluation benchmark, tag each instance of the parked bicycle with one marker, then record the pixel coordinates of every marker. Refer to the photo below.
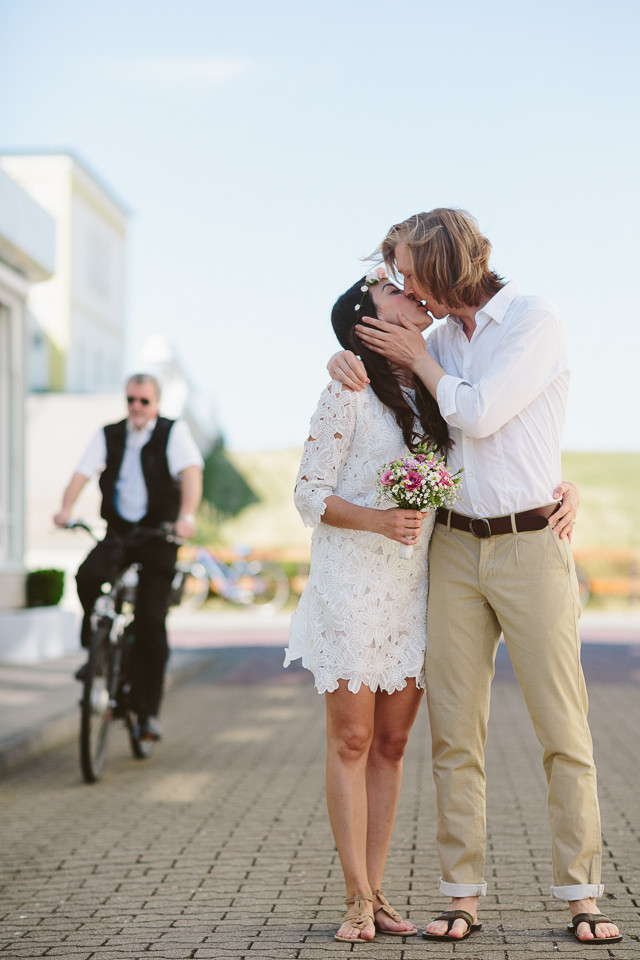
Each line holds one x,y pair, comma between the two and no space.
254,584
106,694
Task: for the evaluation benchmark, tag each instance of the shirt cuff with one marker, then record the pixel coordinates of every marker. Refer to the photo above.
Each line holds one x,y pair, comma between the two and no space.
446,395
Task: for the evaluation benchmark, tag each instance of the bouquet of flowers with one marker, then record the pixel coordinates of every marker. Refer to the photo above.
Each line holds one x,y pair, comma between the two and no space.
419,482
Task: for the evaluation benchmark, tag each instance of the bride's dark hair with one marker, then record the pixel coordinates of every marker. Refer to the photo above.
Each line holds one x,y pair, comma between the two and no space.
384,382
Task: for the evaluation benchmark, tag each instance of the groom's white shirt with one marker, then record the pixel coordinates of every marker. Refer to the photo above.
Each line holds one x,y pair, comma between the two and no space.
504,398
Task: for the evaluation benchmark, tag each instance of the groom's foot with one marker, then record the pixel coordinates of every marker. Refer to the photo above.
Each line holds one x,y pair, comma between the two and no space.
460,927
603,930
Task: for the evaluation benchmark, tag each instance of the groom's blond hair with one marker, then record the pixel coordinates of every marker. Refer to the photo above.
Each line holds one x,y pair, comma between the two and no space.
449,256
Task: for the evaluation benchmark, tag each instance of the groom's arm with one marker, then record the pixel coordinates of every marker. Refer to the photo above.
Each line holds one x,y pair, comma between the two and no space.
347,368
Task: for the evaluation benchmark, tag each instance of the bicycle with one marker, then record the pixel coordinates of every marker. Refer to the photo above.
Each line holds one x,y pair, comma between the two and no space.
106,683
262,586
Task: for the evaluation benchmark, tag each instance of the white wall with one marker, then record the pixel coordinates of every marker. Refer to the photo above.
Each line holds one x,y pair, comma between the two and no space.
82,309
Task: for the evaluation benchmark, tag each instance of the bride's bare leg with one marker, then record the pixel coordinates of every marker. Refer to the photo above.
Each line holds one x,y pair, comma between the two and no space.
394,717
350,723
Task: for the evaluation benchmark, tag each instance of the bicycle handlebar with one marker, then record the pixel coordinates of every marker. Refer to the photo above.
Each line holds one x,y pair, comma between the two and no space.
166,534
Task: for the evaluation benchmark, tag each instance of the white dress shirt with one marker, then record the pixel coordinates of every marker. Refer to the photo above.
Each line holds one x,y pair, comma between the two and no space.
131,490
504,399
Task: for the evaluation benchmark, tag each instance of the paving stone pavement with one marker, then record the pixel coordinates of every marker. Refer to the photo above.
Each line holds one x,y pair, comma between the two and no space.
219,845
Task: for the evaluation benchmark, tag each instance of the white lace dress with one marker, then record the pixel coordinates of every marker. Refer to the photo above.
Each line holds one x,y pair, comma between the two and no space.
362,615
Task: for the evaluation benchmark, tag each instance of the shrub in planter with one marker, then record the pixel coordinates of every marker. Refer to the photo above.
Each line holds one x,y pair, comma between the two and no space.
44,587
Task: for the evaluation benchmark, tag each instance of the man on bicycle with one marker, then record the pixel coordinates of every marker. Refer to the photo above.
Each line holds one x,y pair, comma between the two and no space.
150,475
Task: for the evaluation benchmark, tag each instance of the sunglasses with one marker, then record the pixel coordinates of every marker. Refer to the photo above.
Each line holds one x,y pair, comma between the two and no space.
143,400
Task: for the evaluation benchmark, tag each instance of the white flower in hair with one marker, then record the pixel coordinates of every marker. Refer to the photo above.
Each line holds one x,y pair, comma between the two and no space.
374,276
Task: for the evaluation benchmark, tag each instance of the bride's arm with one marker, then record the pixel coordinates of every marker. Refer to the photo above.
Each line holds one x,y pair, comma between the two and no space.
347,368
394,523
325,453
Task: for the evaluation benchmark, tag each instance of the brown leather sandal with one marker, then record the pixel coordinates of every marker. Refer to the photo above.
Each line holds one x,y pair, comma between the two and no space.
451,916
592,919
360,919
386,907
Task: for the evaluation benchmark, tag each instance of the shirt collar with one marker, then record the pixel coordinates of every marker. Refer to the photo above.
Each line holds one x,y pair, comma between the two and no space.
149,427
496,308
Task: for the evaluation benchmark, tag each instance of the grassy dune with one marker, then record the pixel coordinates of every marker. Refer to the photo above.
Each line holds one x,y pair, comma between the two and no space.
609,512
274,523
610,505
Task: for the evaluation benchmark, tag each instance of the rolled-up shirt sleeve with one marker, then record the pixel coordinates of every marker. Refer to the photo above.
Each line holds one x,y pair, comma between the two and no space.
182,450
325,451
528,358
95,456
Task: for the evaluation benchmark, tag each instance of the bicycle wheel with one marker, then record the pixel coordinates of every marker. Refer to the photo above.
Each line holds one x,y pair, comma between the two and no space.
270,589
95,706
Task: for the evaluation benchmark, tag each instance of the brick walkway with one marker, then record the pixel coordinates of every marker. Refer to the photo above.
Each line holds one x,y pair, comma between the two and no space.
219,847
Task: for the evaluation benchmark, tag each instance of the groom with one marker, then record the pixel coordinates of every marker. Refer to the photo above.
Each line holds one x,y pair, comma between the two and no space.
498,370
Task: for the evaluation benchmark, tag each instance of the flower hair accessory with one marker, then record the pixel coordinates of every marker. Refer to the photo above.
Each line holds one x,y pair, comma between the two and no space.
374,276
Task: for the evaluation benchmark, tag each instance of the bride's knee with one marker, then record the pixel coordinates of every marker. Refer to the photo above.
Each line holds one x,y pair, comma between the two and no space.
389,746
351,742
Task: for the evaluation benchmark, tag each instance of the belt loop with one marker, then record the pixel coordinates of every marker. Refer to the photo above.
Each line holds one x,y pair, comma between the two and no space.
449,512
514,528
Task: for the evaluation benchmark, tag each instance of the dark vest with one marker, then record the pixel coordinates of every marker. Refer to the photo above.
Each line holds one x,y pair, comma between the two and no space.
163,491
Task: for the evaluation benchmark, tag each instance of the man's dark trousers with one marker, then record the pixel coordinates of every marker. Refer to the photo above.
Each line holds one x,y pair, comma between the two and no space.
150,650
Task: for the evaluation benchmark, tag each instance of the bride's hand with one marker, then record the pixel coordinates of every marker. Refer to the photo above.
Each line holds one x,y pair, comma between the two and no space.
348,369
563,520
399,524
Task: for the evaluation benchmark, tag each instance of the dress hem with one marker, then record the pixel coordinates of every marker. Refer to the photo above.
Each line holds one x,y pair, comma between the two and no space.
330,686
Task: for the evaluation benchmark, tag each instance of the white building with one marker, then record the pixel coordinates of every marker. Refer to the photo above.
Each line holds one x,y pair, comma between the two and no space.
76,333
27,256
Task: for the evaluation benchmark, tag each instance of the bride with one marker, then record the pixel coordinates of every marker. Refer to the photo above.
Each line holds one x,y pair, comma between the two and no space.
360,626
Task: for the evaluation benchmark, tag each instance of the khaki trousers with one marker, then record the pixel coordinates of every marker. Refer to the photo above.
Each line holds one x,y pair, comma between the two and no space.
522,585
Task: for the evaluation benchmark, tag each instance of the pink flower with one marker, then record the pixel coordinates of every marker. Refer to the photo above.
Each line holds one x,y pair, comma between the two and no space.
420,457
412,480
387,478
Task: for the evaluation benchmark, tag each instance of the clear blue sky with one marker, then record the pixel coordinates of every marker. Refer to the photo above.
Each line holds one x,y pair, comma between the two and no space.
264,147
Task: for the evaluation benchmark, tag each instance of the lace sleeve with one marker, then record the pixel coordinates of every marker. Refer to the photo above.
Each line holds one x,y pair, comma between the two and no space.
325,451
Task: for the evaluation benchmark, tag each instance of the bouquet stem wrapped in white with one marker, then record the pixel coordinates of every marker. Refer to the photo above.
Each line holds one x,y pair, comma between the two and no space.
418,482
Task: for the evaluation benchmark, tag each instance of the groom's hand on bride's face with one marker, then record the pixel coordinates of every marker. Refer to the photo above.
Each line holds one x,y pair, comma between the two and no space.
348,369
400,342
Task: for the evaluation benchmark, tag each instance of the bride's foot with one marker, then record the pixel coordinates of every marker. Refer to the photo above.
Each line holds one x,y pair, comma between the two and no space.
388,920
358,923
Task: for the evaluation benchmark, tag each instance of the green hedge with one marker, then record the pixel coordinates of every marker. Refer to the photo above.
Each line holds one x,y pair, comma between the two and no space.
44,587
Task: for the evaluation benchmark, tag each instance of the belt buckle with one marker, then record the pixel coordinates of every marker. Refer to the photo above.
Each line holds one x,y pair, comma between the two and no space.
486,530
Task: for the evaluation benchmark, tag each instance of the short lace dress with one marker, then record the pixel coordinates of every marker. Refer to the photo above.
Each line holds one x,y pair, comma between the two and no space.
362,616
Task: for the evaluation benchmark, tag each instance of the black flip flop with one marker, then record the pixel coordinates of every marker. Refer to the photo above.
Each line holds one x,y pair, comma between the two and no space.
451,916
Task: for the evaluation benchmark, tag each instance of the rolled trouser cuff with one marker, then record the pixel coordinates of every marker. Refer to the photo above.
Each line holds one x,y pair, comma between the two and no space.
578,891
463,889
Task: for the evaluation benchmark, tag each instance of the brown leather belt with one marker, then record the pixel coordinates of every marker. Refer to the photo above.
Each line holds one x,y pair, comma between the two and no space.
482,527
